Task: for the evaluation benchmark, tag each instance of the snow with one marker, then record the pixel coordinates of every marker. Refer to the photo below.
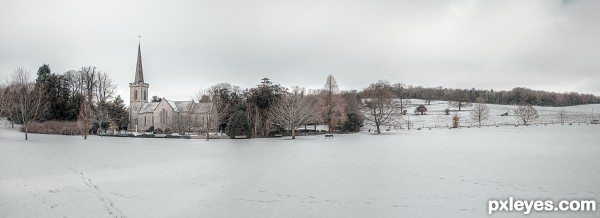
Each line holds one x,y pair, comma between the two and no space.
426,173
435,116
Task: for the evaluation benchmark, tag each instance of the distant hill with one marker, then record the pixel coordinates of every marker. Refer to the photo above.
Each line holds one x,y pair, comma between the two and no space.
436,117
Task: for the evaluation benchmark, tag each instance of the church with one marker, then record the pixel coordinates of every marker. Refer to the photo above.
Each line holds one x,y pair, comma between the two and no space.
176,116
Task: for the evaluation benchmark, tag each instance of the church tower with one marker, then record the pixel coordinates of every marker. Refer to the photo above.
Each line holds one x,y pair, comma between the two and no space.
138,91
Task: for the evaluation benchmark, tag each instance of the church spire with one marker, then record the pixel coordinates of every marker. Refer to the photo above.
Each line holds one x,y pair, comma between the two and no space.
139,72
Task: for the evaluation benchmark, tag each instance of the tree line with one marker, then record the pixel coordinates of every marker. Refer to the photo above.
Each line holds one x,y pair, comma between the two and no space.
515,96
270,109
84,98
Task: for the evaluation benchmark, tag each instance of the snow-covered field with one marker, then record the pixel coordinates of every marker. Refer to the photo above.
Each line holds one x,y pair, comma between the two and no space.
435,116
427,173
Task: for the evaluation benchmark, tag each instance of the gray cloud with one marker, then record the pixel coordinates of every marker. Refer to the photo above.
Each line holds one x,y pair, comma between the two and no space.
188,45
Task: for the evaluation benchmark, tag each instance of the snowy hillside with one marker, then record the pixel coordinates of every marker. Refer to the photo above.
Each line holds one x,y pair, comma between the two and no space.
435,116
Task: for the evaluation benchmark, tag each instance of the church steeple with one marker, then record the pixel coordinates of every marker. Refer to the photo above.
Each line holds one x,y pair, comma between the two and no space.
139,72
138,91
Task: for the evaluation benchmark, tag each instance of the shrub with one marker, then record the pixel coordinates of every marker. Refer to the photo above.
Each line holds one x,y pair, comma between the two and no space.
168,131
151,129
158,131
421,109
54,127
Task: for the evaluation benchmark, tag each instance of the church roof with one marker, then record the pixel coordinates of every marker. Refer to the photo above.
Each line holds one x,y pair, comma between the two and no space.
180,106
149,107
173,105
183,106
201,107
139,71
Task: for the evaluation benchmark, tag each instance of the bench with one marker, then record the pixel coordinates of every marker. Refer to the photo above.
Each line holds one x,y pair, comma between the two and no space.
239,137
328,135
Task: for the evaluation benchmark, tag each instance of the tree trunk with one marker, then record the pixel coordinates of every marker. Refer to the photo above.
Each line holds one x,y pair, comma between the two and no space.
378,131
293,132
26,130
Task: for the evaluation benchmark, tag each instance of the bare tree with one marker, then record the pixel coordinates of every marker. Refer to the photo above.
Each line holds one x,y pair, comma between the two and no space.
460,101
224,102
4,99
382,109
104,87
89,82
101,116
27,101
480,111
85,118
352,102
399,89
7,107
562,115
180,122
74,79
207,107
293,110
331,104
526,113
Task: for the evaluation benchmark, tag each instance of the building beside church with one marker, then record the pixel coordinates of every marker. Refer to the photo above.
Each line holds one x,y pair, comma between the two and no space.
177,116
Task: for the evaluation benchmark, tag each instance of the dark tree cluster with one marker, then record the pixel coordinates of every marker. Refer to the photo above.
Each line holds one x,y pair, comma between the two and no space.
64,96
62,104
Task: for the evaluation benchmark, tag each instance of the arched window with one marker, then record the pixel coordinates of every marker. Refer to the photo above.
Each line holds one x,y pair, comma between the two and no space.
135,95
145,95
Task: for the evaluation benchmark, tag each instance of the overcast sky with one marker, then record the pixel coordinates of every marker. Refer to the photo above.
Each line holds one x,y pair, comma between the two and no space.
189,45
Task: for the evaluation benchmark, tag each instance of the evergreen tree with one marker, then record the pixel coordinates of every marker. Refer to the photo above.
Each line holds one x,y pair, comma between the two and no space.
43,73
118,113
259,101
238,125
353,123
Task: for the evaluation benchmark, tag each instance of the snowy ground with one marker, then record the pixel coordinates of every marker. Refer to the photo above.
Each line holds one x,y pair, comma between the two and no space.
427,173
435,116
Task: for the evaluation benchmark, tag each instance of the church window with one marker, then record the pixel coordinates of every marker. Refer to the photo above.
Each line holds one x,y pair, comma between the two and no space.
135,95
145,124
163,116
145,97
